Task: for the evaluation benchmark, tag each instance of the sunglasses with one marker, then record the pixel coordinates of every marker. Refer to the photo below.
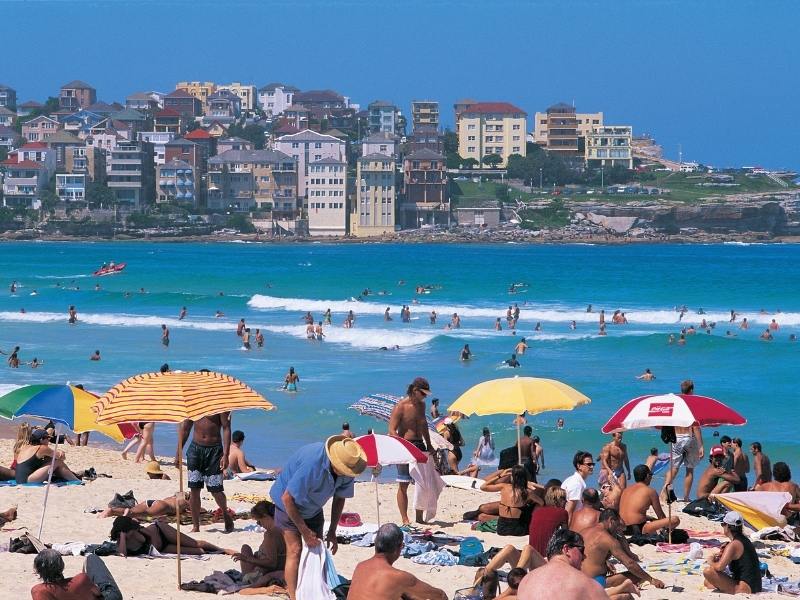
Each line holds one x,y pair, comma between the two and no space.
591,464
580,547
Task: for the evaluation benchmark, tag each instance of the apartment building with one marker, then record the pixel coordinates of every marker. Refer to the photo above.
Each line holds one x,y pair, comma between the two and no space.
609,146
425,136
425,200
177,182
40,128
62,143
307,147
274,98
584,122
8,138
383,117
245,92
197,89
71,187
76,95
373,213
7,117
424,113
169,120
485,128
223,104
88,161
130,172
28,171
327,197
380,143
244,180
184,103
8,97
145,101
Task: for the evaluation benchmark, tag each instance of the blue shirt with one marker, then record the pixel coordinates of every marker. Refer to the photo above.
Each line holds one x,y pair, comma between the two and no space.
307,477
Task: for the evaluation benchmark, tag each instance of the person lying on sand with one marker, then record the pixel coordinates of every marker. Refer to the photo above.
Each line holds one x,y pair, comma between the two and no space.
133,539
149,508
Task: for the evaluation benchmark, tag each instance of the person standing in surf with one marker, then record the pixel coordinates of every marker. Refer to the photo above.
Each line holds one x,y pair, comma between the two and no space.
290,382
164,336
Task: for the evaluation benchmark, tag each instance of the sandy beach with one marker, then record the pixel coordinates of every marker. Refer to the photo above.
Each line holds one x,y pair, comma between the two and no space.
152,579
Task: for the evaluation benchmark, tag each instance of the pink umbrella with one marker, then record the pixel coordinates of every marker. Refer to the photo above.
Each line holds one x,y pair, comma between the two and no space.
672,410
388,450
676,410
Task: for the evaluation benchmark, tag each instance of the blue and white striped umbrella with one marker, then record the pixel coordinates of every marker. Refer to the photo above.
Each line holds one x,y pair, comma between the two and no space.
380,406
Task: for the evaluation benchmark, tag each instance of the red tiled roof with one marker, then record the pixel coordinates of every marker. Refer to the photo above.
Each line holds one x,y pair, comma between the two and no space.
287,129
34,145
25,164
198,134
179,93
493,107
168,112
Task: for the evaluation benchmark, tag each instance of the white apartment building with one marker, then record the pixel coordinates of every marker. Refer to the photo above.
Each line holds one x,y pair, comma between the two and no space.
327,197
159,139
610,145
274,98
374,211
306,147
71,187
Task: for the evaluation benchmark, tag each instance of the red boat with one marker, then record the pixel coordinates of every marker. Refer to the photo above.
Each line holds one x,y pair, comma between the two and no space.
110,269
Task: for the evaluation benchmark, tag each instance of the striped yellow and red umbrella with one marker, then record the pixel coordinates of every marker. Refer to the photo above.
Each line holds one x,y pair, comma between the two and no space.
175,396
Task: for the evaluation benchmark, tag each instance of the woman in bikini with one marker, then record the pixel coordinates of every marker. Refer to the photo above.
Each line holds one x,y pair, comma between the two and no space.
33,461
134,540
149,508
516,501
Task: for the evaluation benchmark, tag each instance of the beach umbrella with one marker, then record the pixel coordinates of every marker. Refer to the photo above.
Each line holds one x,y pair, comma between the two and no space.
380,406
759,509
173,397
672,410
517,395
64,405
386,450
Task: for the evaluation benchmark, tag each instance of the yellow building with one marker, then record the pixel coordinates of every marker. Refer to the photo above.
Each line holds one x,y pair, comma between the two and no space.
199,89
247,93
374,210
485,128
583,121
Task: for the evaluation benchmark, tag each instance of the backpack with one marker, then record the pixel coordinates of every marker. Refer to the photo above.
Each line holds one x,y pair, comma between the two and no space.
469,546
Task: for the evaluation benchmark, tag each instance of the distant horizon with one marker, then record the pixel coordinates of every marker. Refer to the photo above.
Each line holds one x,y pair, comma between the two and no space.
713,78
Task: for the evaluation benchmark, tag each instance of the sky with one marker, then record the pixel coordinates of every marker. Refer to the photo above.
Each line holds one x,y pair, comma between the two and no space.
717,78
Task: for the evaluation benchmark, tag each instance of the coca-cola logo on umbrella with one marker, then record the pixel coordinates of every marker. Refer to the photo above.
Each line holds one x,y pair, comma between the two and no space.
661,409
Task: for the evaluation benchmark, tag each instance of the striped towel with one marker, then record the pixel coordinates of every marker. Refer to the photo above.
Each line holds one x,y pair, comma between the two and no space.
684,566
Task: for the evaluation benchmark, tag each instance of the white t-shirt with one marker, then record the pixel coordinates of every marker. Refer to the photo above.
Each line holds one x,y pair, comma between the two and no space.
574,486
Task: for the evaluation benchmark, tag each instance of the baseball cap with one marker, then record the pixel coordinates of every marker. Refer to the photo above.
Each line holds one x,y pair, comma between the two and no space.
717,451
422,385
732,518
38,435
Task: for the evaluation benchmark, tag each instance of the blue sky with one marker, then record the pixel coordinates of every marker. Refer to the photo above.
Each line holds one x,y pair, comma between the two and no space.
720,78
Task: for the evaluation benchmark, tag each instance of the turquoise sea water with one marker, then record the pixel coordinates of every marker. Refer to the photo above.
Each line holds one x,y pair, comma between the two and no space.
272,286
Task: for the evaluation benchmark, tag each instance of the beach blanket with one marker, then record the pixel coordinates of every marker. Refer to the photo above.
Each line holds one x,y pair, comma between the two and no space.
758,509
156,554
441,558
684,566
13,483
683,548
251,498
428,486
256,476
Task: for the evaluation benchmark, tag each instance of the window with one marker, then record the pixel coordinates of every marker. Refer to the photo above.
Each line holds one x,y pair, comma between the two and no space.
318,157
471,149
295,145
489,138
470,127
516,149
498,138
471,138
318,145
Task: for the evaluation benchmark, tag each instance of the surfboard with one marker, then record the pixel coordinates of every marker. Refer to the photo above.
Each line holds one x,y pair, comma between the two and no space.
463,482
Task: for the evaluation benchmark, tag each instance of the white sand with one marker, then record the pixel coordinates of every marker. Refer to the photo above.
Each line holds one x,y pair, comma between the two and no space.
148,579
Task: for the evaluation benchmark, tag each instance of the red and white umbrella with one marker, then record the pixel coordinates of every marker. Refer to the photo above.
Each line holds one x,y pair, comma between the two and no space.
388,450
676,410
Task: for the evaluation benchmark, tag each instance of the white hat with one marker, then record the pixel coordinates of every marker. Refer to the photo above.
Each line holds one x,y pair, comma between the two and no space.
732,518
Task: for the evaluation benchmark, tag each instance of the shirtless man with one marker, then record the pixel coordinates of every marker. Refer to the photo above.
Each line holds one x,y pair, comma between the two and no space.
761,464
521,347
376,578
164,336
73,315
637,500
614,457
526,452
206,459
652,459
240,327
716,479
687,450
408,421
346,430
237,462
589,513
741,464
182,316
603,541
782,482
646,376
565,554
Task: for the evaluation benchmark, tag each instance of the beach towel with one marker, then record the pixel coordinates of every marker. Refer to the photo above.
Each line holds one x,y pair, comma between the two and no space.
684,566
486,526
13,483
682,548
758,509
156,554
428,486
441,558
311,579
255,476
251,498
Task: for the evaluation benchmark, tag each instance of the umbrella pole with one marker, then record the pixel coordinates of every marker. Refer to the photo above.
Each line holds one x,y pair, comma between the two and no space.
377,500
47,488
178,505
519,448
669,504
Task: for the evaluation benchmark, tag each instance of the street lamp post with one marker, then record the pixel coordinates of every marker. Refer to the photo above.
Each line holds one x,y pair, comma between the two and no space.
540,178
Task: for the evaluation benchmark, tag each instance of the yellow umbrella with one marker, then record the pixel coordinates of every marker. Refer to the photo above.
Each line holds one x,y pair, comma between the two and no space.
516,395
173,397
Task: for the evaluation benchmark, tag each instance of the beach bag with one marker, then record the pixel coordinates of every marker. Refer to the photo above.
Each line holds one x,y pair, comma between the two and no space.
703,507
469,547
22,545
123,500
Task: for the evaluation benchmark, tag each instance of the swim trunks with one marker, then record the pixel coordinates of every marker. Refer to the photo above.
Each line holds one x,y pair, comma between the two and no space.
403,471
618,471
601,579
291,387
204,468
165,341
685,452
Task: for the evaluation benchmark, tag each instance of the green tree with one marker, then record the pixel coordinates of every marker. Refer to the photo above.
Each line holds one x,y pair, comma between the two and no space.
99,195
252,133
469,163
450,142
241,223
492,160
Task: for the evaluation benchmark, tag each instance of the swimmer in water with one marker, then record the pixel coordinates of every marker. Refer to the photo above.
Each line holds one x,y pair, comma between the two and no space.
95,356
521,346
13,357
589,308
73,315
646,376
13,287
219,314
602,329
466,353
573,325
290,381
433,316
671,339
497,325
386,315
240,327
538,326
560,424
164,336
259,338
512,362
246,339
35,363
182,316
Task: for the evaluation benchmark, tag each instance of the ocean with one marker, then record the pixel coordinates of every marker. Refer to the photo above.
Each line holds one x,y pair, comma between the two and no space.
271,286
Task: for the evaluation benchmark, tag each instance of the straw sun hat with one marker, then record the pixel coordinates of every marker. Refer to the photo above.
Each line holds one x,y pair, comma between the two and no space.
346,455
153,468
